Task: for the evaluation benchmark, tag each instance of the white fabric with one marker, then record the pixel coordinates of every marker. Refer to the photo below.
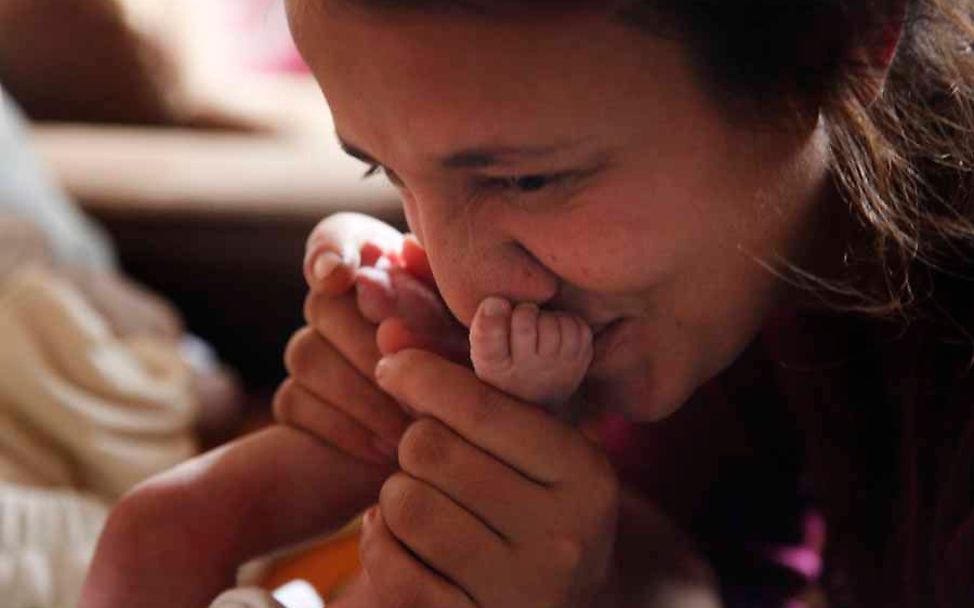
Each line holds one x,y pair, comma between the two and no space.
46,541
296,594
102,411
247,597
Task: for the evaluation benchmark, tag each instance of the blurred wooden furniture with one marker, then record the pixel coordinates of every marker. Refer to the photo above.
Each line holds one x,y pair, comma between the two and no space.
216,221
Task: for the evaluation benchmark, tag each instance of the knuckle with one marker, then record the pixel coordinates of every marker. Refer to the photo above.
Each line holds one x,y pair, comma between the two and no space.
396,590
299,353
404,503
283,402
566,555
311,305
425,444
319,309
407,596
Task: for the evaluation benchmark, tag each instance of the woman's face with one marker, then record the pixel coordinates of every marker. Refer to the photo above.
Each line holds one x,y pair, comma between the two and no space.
578,163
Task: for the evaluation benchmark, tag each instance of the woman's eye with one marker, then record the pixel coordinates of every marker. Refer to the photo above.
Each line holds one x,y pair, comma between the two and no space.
530,183
371,171
525,184
374,170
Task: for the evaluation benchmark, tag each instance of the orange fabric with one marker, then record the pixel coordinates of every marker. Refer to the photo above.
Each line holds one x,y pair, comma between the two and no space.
328,566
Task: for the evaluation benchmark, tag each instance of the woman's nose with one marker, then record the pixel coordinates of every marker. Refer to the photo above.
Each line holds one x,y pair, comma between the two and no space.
476,257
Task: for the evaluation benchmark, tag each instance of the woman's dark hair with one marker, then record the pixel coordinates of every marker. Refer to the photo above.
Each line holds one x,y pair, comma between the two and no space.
901,160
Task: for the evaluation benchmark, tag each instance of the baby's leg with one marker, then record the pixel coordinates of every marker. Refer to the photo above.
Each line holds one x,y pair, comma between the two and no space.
177,539
537,356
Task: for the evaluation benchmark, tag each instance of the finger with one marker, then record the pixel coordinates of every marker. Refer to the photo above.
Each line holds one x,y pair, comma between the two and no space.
492,491
298,407
442,534
340,244
422,310
375,294
420,305
320,369
360,593
415,261
518,434
394,335
399,578
339,321
330,272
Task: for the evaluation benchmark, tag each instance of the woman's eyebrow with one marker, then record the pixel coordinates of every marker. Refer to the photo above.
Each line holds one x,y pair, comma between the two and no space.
490,156
480,157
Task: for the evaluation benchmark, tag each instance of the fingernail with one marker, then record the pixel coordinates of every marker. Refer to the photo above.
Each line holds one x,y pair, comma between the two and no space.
382,368
386,448
496,307
326,263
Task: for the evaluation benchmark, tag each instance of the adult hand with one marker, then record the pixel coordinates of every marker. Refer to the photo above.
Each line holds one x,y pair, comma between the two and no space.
498,504
355,311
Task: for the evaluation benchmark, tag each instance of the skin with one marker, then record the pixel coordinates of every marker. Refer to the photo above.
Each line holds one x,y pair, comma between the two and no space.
537,356
654,210
651,212
639,143
701,195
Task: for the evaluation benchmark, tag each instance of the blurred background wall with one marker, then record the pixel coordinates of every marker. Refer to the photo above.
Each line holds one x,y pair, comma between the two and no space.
192,132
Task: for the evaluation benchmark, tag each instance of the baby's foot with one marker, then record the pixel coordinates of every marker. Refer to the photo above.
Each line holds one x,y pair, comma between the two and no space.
537,356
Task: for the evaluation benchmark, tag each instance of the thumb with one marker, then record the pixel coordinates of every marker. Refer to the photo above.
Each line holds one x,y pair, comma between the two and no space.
342,243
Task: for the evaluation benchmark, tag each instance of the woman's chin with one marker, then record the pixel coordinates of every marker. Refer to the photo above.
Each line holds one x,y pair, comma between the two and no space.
638,396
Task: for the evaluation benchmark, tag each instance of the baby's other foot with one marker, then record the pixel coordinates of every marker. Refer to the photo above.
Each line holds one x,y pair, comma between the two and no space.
535,355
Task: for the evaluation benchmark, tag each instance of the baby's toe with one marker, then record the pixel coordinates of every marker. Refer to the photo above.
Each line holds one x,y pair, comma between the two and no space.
571,335
586,339
524,332
549,335
490,340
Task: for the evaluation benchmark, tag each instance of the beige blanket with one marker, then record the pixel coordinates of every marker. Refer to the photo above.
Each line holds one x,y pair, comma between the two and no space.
84,415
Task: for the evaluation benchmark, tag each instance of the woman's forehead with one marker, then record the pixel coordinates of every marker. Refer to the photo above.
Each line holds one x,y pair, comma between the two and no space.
432,74
497,10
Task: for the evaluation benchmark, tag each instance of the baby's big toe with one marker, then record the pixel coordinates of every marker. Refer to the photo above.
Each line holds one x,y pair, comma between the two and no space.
490,334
